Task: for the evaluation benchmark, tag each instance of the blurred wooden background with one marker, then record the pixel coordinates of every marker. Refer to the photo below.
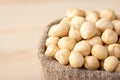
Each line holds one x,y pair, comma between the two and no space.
21,22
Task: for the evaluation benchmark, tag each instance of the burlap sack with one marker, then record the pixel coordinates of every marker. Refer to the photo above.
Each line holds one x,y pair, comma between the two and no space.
52,70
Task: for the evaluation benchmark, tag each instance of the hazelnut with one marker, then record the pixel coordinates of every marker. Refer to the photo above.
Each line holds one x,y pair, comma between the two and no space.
92,16
95,40
65,20
114,50
76,59
52,41
110,63
87,30
103,24
66,43
91,63
51,50
71,12
99,52
62,56
109,36
83,47
108,13
77,21
75,34
116,24
59,30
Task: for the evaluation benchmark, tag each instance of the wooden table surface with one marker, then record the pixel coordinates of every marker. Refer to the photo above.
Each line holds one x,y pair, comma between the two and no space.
21,24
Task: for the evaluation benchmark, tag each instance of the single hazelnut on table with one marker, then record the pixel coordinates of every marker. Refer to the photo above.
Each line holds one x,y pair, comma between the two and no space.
76,60
108,13
77,21
62,56
75,34
116,24
109,36
103,24
83,47
95,40
99,51
114,50
51,51
71,12
52,41
111,63
87,30
91,63
66,43
59,30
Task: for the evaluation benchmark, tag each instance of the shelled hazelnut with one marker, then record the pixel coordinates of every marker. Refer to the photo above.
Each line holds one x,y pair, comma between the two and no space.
66,43
111,63
91,63
109,36
76,59
83,47
62,56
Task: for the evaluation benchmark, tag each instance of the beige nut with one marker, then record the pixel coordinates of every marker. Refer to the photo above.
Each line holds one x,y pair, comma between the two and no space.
76,59
62,56
75,33
66,43
116,24
92,16
88,30
91,63
110,63
103,24
118,68
52,41
71,12
59,30
108,13
109,36
95,40
83,47
51,50
65,20
99,51
77,21
114,50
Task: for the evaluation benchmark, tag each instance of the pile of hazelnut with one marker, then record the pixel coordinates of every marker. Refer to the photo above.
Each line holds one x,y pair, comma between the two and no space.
88,39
